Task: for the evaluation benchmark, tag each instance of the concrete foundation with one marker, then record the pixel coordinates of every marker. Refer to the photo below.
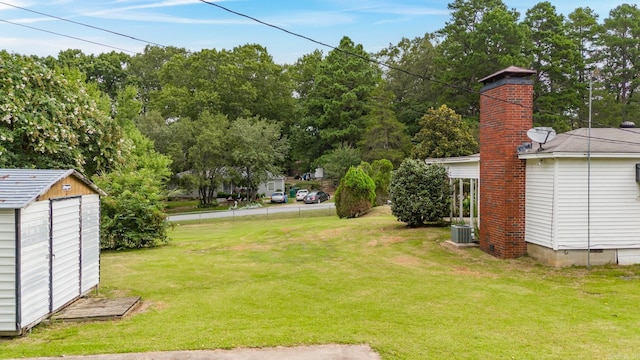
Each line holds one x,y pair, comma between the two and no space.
561,258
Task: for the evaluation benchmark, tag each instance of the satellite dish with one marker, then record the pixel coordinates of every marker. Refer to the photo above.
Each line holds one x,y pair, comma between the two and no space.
541,135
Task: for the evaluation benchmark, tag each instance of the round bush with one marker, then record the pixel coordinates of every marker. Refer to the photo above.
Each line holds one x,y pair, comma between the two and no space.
419,192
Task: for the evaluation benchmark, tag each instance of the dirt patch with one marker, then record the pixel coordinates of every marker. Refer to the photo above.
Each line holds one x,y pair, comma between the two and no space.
146,306
463,270
243,247
386,240
407,260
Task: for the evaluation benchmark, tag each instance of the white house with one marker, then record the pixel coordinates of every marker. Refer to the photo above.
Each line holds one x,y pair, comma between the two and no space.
49,244
583,197
573,200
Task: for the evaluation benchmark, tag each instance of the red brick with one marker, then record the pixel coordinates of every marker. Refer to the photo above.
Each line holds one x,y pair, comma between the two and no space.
506,113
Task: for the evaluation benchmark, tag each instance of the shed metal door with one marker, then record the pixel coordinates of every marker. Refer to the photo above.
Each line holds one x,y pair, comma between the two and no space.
65,251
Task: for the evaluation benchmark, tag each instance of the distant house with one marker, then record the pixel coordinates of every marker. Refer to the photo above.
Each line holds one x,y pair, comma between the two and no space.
273,183
571,201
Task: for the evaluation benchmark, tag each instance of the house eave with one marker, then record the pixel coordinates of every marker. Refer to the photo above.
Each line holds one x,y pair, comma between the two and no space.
454,160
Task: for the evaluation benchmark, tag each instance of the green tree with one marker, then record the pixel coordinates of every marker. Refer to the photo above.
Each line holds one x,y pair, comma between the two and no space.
419,193
443,134
555,59
305,147
133,215
337,162
258,149
619,56
208,155
385,136
380,171
482,37
335,107
54,120
144,70
244,82
355,194
107,70
410,77
583,29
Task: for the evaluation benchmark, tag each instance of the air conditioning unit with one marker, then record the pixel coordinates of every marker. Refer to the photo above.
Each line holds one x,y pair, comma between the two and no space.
461,234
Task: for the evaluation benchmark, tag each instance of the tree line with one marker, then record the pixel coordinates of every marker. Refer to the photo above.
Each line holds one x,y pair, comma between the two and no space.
214,115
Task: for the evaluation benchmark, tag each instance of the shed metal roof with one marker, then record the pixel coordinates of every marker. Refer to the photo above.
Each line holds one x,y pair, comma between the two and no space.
21,187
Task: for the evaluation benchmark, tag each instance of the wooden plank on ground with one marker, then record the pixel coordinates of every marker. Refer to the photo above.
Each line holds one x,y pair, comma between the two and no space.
91,309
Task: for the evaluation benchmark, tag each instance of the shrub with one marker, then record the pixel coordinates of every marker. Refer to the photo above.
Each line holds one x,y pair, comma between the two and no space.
419,192
132,215
380,172
355,194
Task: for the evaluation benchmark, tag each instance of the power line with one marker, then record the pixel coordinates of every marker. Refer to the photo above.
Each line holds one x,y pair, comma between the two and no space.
380,63
383,64
82,24
67,36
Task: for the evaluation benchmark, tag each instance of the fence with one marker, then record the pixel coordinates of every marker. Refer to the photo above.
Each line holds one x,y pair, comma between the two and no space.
270,211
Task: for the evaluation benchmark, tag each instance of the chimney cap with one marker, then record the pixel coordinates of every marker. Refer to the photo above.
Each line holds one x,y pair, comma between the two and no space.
511,71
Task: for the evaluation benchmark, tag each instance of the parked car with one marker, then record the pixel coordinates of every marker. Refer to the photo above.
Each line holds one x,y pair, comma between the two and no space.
300,194
316,197
279,197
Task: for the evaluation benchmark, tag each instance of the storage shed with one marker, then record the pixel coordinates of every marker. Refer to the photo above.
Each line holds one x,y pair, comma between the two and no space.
49,244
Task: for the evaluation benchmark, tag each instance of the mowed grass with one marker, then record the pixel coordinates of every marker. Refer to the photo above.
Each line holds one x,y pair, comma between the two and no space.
371,280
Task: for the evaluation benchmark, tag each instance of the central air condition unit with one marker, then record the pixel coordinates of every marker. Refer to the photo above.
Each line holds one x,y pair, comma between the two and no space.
461,234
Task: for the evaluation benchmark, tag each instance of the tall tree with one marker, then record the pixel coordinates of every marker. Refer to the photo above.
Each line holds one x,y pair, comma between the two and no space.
335,107
244,82
258,150
619,54
208,155
144,70
410,77
555,58
302,134
584,30
385,137
482,37
107,70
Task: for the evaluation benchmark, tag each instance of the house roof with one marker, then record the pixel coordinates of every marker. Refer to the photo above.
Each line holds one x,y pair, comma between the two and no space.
21,187
620,142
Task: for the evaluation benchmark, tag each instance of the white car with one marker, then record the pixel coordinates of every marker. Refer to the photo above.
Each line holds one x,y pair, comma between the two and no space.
300,194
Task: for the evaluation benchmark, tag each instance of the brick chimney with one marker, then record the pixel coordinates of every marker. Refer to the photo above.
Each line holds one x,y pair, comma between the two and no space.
506,113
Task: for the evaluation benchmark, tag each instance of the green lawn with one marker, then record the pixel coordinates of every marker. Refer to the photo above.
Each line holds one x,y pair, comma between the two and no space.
320,280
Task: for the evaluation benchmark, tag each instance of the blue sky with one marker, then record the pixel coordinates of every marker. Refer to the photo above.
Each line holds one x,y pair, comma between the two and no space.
194,25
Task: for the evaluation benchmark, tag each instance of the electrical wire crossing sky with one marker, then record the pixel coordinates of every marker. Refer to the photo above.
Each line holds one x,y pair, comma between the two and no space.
42,28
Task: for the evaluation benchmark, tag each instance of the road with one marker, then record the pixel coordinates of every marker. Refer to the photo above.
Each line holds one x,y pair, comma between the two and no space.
277,209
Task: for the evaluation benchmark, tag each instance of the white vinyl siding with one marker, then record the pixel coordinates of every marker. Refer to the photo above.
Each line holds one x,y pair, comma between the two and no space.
539,225
66,251
464,170
34,263
90,242
614,209
7,270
